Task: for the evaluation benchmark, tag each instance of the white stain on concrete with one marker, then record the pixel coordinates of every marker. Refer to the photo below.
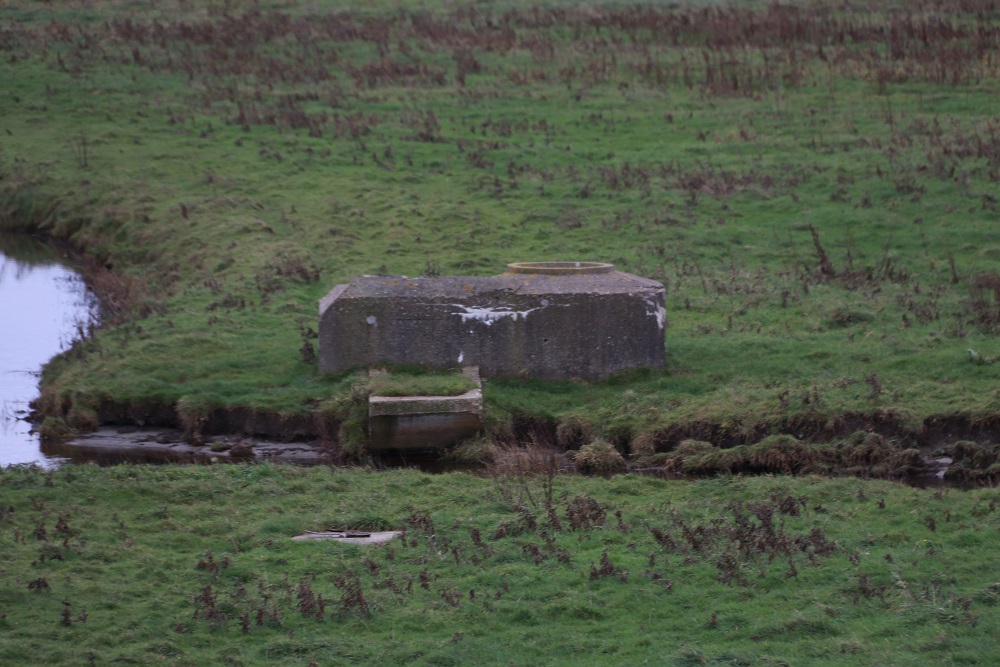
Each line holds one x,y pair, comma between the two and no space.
371,320
461,356
488,315
653,309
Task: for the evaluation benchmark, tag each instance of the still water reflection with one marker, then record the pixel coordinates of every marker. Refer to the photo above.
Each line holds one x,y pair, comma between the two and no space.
42,302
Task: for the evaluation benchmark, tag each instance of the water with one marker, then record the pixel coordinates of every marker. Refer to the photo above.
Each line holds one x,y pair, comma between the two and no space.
43,301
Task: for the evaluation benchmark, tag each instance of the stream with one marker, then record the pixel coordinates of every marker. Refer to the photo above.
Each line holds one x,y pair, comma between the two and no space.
43,303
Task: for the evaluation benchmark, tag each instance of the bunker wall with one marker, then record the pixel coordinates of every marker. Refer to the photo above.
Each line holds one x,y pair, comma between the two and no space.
549,328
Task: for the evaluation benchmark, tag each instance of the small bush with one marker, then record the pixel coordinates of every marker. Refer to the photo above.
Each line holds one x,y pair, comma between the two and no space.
600,457
694,448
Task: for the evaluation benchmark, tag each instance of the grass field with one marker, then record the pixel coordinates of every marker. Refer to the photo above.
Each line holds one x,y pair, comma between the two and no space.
194,565
815,185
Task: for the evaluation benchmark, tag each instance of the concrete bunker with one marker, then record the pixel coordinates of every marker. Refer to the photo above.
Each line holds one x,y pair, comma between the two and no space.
548,320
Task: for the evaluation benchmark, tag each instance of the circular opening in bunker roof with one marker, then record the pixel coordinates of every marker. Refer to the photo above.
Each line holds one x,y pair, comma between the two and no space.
560,268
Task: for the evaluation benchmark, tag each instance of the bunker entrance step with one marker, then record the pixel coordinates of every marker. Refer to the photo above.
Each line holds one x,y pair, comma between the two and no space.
425,422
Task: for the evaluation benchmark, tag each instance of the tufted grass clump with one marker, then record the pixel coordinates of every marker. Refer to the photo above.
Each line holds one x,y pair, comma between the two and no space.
599,457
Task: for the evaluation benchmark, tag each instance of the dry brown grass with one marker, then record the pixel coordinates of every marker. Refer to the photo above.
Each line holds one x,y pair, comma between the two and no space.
524,473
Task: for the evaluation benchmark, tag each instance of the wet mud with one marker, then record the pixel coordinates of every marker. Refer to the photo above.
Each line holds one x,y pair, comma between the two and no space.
143,445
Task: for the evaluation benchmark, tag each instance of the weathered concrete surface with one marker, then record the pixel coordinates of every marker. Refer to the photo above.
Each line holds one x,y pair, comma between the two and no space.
424,422
554,323
420,432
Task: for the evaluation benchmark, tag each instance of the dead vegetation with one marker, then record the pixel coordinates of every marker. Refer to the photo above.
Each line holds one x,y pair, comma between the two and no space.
274,68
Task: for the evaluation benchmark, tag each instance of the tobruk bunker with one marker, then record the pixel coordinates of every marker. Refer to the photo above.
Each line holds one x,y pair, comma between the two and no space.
546,320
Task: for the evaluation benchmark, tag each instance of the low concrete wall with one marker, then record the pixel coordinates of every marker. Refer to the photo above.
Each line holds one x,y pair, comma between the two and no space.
422,422
548,320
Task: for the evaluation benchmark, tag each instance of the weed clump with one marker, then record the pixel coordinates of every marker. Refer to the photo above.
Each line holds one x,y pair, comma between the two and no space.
984,303
524,474
599,457
351,415
642,447
193,412
585,513
686,455
54,429
473,450
780,454
972,462
572,433
83,418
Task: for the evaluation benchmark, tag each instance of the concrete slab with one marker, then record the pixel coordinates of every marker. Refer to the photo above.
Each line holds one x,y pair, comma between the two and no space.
425,422
372,538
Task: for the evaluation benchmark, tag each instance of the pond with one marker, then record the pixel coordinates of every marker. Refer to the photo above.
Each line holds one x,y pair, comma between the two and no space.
43,304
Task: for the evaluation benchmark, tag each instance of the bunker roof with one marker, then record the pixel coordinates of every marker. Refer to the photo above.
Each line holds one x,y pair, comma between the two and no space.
611,282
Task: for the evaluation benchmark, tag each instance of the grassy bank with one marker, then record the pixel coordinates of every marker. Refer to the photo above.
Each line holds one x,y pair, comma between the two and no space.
815,184
195,565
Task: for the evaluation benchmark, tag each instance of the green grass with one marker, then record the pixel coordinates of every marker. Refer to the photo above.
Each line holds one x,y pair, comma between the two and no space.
817,197
819,209
406,382
159,564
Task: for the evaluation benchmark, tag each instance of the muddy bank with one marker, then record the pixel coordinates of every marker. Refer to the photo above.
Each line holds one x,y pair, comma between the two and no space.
108,446
934,431
156,445
953,451
219,422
